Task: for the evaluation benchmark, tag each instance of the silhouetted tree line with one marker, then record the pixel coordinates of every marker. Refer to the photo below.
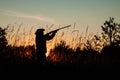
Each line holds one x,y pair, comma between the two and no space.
64,54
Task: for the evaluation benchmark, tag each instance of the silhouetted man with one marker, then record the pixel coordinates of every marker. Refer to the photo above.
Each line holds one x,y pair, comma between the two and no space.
41,44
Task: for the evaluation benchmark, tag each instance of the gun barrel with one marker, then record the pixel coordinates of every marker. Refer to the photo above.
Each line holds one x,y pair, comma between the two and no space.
64,27
60,28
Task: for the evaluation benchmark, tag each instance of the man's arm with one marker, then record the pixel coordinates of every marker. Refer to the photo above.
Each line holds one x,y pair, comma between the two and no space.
50,35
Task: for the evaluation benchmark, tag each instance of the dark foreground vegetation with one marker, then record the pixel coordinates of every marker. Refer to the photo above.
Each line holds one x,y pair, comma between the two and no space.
62,57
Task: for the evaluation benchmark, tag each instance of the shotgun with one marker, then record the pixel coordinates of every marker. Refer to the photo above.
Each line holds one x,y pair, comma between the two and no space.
60,28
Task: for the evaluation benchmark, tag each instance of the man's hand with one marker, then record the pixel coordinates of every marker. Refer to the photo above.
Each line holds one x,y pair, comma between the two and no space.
55,31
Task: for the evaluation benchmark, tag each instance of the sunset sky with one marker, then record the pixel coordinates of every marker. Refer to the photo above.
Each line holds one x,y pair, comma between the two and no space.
37,13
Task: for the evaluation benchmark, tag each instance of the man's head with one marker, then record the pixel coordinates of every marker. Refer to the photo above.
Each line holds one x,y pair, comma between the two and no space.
40,31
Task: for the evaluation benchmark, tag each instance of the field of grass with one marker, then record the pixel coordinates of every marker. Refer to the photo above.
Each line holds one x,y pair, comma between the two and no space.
75,54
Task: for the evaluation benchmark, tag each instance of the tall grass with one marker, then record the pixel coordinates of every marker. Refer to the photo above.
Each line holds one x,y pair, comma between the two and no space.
88,49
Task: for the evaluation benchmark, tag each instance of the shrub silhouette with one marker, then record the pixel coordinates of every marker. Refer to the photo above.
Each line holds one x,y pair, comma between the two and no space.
111,32
61,53
3,42
111,54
